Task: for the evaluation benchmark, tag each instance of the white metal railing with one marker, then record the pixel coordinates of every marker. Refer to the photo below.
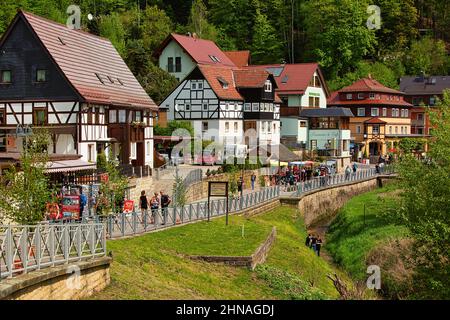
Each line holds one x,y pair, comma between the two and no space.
33,247
124,224
337,179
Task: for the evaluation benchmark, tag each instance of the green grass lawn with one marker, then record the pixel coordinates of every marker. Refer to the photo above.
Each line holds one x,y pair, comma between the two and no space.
351,236
153,266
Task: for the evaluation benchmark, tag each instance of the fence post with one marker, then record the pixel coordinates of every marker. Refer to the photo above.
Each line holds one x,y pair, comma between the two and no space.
78,239
24,248
92,239
134,217
174,215
37,243
9,251
66,242
122,222
51,240
190,211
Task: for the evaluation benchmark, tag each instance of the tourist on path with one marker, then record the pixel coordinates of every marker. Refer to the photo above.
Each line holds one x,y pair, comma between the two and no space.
83,203
313,243
165,201
253,179
348,172
154,204
308,240
318,245
143,204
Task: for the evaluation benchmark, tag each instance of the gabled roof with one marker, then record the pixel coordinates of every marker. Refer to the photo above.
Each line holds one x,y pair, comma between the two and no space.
87,61
368,85
326,112
433,85
216,77
251,78
239,58
293,78
375,120
200,50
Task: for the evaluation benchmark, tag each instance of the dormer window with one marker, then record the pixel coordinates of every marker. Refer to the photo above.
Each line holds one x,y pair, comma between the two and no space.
223,82
372,96
268,86
360,96
349,96
41,75
5,76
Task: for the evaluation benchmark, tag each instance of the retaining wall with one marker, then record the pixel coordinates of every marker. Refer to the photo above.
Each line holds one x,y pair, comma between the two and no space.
59,283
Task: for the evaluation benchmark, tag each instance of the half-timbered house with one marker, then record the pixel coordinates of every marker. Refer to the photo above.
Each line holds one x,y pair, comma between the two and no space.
224,103
76,86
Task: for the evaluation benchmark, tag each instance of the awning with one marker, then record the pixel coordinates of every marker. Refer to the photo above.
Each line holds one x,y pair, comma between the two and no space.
69,166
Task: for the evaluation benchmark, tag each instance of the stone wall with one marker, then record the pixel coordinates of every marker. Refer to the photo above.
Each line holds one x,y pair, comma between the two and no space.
59,283
324,203
258,257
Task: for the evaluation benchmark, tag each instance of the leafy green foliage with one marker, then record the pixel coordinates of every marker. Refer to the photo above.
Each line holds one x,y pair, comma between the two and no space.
114,188
425,205
287,284
429,56
179,192
24,191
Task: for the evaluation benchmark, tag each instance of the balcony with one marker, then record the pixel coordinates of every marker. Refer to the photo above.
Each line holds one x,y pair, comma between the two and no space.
290,111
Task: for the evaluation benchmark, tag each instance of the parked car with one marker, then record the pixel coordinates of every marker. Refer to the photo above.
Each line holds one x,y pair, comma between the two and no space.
207,158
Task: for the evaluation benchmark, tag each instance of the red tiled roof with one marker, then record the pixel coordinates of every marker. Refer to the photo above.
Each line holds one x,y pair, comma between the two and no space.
84,55
292,78
250,78
217,74
368,85
375,120
239,58
200,50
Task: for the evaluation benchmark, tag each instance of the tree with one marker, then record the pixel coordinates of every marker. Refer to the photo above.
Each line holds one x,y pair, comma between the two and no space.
265,47
111,27
398,24
377,70
24,189
337,33
198,22
179,192
157,82
429,56
114,187
425,206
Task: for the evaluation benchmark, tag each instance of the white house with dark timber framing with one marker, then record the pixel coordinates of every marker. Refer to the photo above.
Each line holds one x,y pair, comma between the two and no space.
76,86
224,103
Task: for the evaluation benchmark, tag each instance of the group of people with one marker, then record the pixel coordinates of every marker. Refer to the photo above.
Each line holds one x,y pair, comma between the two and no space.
314,242
156,201
349,170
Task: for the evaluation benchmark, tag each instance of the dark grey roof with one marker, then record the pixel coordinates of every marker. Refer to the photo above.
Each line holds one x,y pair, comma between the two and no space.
326,112
424,85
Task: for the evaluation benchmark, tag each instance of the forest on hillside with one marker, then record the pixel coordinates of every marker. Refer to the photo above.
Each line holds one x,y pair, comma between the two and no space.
413,38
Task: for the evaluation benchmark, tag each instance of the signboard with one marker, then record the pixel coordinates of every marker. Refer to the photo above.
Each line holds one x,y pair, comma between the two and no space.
128,206
217,189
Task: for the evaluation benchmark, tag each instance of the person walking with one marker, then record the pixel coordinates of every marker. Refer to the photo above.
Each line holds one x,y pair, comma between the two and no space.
143,204
165,201
318,246
308,240
240,185
348,172
253,180
83,203
313,243
154,206
354,167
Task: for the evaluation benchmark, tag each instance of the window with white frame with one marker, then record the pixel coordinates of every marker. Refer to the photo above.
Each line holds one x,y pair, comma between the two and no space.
235,127
371,96
193,85
390,129
406,113
205,106
205,126
361,112
148,148
349,96
255,107
247,107
187,107
376,129
112,116
269,127
133,151
200,85
268,86
396,130
384,112
227,126
374,112
122,116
